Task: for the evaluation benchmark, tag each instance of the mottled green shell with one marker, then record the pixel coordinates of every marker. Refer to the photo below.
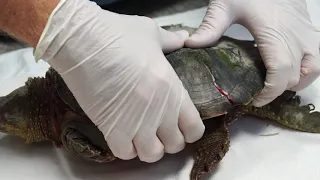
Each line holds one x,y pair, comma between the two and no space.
217,78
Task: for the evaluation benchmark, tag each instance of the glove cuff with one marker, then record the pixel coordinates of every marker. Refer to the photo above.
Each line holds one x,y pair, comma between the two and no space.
42,46
65,34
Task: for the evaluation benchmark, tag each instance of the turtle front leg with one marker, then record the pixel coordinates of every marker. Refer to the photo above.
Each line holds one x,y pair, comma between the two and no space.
83,139
211,148
287,110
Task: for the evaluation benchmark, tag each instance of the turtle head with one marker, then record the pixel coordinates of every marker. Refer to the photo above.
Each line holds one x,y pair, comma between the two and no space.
12,113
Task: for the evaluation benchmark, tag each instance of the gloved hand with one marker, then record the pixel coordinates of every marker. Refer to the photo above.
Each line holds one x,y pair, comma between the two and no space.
115,67
287,40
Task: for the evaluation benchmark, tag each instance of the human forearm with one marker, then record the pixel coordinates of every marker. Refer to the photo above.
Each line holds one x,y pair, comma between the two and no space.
25,20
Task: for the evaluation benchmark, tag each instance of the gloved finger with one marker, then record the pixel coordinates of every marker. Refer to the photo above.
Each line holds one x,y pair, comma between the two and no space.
121,145
294,76
190,122
217,20
156,86
310,71
169,132
310,64
278,64
148,146
171,136
171,41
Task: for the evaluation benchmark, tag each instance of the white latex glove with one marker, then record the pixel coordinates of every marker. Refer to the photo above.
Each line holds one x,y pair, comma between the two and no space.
115,67
287,40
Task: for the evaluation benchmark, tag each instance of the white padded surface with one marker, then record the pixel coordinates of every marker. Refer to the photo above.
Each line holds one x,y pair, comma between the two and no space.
290,155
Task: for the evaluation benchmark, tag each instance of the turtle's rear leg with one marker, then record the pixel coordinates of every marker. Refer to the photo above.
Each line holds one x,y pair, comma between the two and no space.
211,148
287,110
83,139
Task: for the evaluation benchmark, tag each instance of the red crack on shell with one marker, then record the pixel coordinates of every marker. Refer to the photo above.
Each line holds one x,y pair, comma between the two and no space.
224,93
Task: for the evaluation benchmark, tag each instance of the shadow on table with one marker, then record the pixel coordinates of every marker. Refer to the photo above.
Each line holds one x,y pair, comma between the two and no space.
17,146
168,166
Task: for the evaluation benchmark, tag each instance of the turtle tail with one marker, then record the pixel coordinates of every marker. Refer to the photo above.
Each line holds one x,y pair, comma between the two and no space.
288,111
212,147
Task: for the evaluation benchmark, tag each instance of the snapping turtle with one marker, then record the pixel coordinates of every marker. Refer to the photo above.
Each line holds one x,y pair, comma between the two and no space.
221,82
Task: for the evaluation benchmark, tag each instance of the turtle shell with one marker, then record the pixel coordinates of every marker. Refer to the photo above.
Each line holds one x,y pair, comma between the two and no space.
217,78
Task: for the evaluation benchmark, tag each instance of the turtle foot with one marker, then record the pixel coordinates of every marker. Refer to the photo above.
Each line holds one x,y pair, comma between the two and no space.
80,146
83,139
288,111
211,148
302,118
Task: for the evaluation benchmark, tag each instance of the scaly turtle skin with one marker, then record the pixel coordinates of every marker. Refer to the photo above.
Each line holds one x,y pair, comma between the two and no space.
221,82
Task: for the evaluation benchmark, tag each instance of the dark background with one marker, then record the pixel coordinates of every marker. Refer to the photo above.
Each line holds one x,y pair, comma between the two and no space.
155,8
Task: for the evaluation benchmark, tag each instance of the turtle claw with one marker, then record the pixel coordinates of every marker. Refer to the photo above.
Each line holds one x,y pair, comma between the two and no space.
312,107
211,148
